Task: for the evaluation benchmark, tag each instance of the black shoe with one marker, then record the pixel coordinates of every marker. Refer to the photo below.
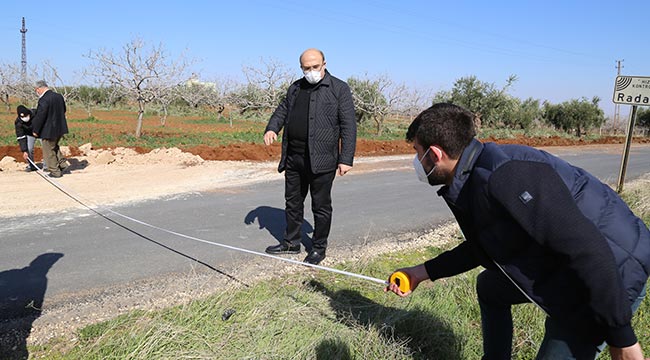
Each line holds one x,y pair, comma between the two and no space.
53,175
315,257
283,248
30,169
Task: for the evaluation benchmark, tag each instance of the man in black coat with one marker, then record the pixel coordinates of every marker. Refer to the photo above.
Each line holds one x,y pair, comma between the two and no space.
546,233
50,125
319,138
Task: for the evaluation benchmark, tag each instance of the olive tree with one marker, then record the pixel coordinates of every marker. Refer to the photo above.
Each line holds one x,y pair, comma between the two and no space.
493,105
576,115
522,113
643,119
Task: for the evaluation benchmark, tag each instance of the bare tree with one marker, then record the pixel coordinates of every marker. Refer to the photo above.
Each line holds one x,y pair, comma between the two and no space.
265,88
196,92
413,102
51,75
376,98
88,96
10,84
212,93
140,74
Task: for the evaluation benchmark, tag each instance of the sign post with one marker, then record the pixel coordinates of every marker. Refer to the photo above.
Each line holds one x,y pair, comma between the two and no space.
635,91
626,151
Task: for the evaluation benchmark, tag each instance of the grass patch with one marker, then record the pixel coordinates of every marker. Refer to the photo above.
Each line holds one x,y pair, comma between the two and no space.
214,120
91,120
321,315
637,195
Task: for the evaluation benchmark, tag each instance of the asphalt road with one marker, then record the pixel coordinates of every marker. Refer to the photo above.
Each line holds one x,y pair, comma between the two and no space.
93,252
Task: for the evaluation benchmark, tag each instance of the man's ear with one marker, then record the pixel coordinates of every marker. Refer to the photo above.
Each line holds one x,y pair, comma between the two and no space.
437,151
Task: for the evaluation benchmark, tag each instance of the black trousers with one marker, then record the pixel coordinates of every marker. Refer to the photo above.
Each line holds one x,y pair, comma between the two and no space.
299,180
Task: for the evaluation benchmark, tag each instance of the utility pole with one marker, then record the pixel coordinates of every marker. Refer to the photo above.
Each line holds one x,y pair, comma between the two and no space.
23,63
617,107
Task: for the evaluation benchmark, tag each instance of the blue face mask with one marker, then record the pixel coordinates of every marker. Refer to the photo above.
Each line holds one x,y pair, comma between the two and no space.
419,169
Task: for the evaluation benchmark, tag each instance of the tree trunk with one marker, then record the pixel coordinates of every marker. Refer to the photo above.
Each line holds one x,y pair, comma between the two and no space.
163,118
379,121
138,127
578,132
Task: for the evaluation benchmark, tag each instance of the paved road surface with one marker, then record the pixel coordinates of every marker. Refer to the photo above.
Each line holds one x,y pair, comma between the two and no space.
98,253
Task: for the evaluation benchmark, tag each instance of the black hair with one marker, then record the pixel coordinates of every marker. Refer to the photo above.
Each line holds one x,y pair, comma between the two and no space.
21,109
447,125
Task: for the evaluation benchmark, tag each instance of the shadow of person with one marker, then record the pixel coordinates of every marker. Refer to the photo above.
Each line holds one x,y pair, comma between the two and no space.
21,302
275,222
426,336
333,349
76,164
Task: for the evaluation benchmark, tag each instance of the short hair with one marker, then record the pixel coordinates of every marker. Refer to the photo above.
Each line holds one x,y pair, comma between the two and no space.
41,84
447,125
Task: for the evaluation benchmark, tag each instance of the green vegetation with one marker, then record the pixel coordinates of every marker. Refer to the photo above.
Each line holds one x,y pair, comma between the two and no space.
92,120
321,315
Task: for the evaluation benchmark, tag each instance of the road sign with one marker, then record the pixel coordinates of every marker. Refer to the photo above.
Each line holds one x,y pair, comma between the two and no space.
632,90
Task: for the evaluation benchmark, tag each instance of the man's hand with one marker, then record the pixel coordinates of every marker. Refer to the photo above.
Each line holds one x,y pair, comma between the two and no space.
627,353
416,275
35,134
269,137
25,156
343,169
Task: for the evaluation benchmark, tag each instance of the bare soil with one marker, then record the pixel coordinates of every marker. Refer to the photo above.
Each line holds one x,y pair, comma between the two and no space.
260,152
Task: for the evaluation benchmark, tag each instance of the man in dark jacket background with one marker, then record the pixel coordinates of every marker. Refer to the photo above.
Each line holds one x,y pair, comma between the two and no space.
319,138
50,125
545,231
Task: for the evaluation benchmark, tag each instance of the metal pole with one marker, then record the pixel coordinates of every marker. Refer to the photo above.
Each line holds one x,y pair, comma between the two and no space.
617,107
626,151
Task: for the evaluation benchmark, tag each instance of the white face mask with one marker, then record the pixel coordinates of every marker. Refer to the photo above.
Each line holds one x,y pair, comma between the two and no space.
419,169
313,76
25,119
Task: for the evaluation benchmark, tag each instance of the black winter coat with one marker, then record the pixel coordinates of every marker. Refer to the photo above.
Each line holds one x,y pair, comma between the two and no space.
332,124
23,129
49,121
564,238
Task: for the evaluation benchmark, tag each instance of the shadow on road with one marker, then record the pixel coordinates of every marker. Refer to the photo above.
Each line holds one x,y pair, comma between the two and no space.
274,221
21,302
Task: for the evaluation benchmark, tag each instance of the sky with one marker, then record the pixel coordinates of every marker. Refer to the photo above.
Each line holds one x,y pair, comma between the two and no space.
559,50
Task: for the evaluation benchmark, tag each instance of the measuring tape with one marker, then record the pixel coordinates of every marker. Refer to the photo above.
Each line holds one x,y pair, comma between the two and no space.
399,278
402,281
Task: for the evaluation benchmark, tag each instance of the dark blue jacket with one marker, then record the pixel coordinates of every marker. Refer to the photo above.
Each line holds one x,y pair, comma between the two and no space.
565,238
332,124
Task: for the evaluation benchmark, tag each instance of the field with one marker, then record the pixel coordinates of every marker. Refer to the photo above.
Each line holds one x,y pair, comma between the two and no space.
234,137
